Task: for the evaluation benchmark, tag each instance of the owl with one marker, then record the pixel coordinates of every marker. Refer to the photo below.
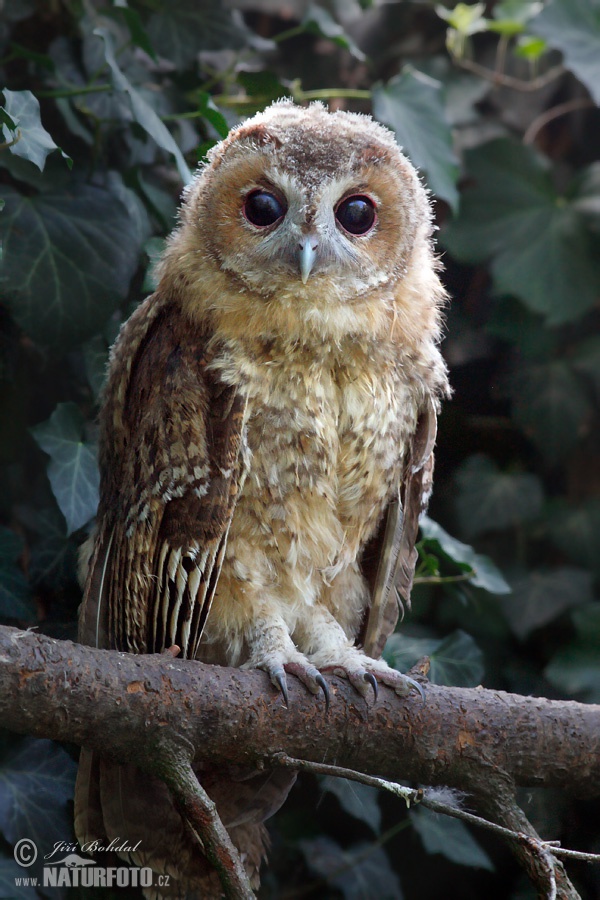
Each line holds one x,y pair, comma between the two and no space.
266,446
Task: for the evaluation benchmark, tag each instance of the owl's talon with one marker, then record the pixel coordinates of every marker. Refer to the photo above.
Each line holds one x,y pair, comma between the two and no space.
414,684
310,677
325,688
370,679
278,678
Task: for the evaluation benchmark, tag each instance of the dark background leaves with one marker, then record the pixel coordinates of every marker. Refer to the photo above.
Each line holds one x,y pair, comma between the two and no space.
107,107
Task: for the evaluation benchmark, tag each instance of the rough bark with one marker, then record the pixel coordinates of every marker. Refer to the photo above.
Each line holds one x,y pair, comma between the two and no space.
134,708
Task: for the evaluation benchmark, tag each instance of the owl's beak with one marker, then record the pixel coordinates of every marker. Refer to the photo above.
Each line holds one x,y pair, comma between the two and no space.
308,255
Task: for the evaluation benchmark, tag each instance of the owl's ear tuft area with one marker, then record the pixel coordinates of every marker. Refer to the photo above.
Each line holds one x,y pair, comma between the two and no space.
259,134
250,134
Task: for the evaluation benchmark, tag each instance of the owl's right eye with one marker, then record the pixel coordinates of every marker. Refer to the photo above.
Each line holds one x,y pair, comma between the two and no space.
263,209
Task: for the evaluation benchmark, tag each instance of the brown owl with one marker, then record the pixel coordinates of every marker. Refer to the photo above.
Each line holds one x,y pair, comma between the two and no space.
266,444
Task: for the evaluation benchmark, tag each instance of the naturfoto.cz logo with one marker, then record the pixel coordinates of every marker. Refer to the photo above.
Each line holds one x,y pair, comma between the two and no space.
74,870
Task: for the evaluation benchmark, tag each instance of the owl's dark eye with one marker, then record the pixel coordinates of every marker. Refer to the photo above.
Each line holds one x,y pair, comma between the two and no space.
356,214
262,208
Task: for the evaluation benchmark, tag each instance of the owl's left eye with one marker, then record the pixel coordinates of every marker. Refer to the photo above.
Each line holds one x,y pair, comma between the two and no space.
262,208
356,214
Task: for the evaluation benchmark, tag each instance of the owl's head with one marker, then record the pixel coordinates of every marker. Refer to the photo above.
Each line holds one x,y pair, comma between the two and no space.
295,196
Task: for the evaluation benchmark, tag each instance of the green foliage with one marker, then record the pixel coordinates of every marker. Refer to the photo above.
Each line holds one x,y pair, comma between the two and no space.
489,500
36,783
412,104
133,94
56,246
573,27
358,800
450,837
15,592
23,130
576,667
73,470
540,245
360,872
478,569
318,20
455,660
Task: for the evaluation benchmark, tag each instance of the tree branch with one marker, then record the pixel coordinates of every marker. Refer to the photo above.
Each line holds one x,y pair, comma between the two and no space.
201,815
65,691
147,710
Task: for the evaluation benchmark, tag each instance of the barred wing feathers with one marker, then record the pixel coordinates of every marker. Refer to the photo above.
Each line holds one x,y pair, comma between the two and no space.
395,543
171,475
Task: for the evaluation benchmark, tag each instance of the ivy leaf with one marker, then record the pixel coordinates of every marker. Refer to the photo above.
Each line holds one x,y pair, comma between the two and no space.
466,18
575,669
412,104
212,114
573,27
358,800
53,559
143,113
450,837
530,48
136,29
490,500
36,782
551,406
319,21
511,16
485,574
543,596
181,30
455,660
511,321
463,21
73,468
576,532
32,140
15,593
538,241
403,650
360,872
68,260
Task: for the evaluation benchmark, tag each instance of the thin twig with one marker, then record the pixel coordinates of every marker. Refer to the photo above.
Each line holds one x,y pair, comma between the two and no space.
560,110
500,78
572,854
76,91
443,579
412,796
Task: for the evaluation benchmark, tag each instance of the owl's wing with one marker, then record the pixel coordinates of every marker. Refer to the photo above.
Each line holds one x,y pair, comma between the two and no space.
171,476
394,545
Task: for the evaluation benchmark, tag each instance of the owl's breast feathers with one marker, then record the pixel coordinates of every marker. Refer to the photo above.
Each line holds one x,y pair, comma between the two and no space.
294,451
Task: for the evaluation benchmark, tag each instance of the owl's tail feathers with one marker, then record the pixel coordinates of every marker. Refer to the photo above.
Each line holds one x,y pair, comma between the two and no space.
122,805
89,825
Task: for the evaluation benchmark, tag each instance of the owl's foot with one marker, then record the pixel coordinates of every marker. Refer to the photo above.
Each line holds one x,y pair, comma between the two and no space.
365,673
308,675
286,661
